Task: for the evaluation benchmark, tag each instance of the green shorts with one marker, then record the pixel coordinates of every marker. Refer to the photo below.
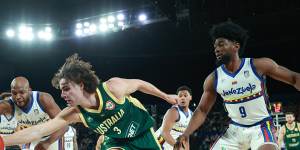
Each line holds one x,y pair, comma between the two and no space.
145,141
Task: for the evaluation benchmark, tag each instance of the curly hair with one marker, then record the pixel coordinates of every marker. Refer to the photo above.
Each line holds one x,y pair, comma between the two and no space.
230,31
182,88
78,71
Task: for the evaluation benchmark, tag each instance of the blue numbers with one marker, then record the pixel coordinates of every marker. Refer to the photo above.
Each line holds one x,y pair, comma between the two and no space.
243,111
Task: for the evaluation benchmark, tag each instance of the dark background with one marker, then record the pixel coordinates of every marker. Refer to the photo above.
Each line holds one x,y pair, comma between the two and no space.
168,54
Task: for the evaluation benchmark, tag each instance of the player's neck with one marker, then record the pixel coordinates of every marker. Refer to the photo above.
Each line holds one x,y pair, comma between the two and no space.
91,101
234,64
291,125
185,108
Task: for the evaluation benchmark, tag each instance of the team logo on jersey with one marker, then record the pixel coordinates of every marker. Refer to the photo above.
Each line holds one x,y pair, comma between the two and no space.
36,111
89,119
246,73
234,82
110,105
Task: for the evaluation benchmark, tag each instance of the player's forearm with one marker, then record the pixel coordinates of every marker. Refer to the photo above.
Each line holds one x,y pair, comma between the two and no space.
297,81
56,135
168,138
197,120
35,132
27,135
148,88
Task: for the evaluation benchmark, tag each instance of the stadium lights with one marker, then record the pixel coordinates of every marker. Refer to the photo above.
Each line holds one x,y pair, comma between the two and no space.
10,33
46,34
28,33
120,17
142,17
110,22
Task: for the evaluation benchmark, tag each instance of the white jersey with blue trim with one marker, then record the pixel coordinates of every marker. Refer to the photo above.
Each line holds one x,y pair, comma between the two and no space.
183,121
8,124
178,128
68,139
244,93
32,114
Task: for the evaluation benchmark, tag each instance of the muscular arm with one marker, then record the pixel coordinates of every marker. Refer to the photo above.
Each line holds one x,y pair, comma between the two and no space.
123,87
281,136
207,100
67,116
167,125
52,109
267,66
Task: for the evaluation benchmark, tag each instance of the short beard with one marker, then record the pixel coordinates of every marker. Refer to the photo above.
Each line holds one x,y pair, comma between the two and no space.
225,59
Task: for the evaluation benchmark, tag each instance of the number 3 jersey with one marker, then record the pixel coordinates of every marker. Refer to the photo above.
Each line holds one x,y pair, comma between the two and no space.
116,118
244,93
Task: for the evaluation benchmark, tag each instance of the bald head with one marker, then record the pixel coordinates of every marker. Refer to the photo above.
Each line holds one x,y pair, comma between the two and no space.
20,91
19,83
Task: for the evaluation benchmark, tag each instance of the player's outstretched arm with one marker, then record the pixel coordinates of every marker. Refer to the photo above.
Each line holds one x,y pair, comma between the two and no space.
121,87
65,117
269,67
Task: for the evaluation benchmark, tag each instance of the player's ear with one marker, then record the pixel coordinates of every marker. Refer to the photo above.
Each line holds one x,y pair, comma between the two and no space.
81,85
236,46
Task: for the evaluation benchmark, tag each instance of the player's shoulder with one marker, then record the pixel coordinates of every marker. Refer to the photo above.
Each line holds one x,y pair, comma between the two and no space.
263,61
174,108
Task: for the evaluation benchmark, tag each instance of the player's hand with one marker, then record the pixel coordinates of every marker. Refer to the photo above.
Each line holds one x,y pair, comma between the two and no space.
42,146
172,99
1,143
181,142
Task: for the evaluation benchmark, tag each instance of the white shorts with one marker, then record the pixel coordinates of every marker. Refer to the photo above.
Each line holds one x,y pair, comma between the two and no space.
54,146
244,138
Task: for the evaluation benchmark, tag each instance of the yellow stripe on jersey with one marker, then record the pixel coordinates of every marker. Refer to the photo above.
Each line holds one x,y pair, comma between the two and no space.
100,104
136,102
155,138
112,96
83,120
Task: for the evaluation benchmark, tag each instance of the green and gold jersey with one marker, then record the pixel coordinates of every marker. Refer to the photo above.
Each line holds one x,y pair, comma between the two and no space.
292,138
116,118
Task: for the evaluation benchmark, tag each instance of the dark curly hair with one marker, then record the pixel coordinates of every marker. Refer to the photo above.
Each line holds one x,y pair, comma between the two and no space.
77,70
230,31
184,87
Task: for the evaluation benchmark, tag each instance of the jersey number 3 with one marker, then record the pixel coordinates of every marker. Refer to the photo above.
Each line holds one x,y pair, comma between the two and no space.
243,112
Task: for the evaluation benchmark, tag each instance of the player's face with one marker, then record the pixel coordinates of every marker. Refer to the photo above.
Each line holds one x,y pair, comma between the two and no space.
71,92
289,118
184,98
224,50
20,95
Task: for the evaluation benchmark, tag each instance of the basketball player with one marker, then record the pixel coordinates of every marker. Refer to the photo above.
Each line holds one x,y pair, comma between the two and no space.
32,108
106,107
8,122
176,119
69,140
290,133
241,84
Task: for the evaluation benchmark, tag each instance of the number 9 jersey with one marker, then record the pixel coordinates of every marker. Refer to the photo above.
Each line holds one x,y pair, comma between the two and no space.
244,93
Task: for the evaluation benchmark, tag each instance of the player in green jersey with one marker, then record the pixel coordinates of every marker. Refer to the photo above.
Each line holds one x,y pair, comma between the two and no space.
105,107
290,133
